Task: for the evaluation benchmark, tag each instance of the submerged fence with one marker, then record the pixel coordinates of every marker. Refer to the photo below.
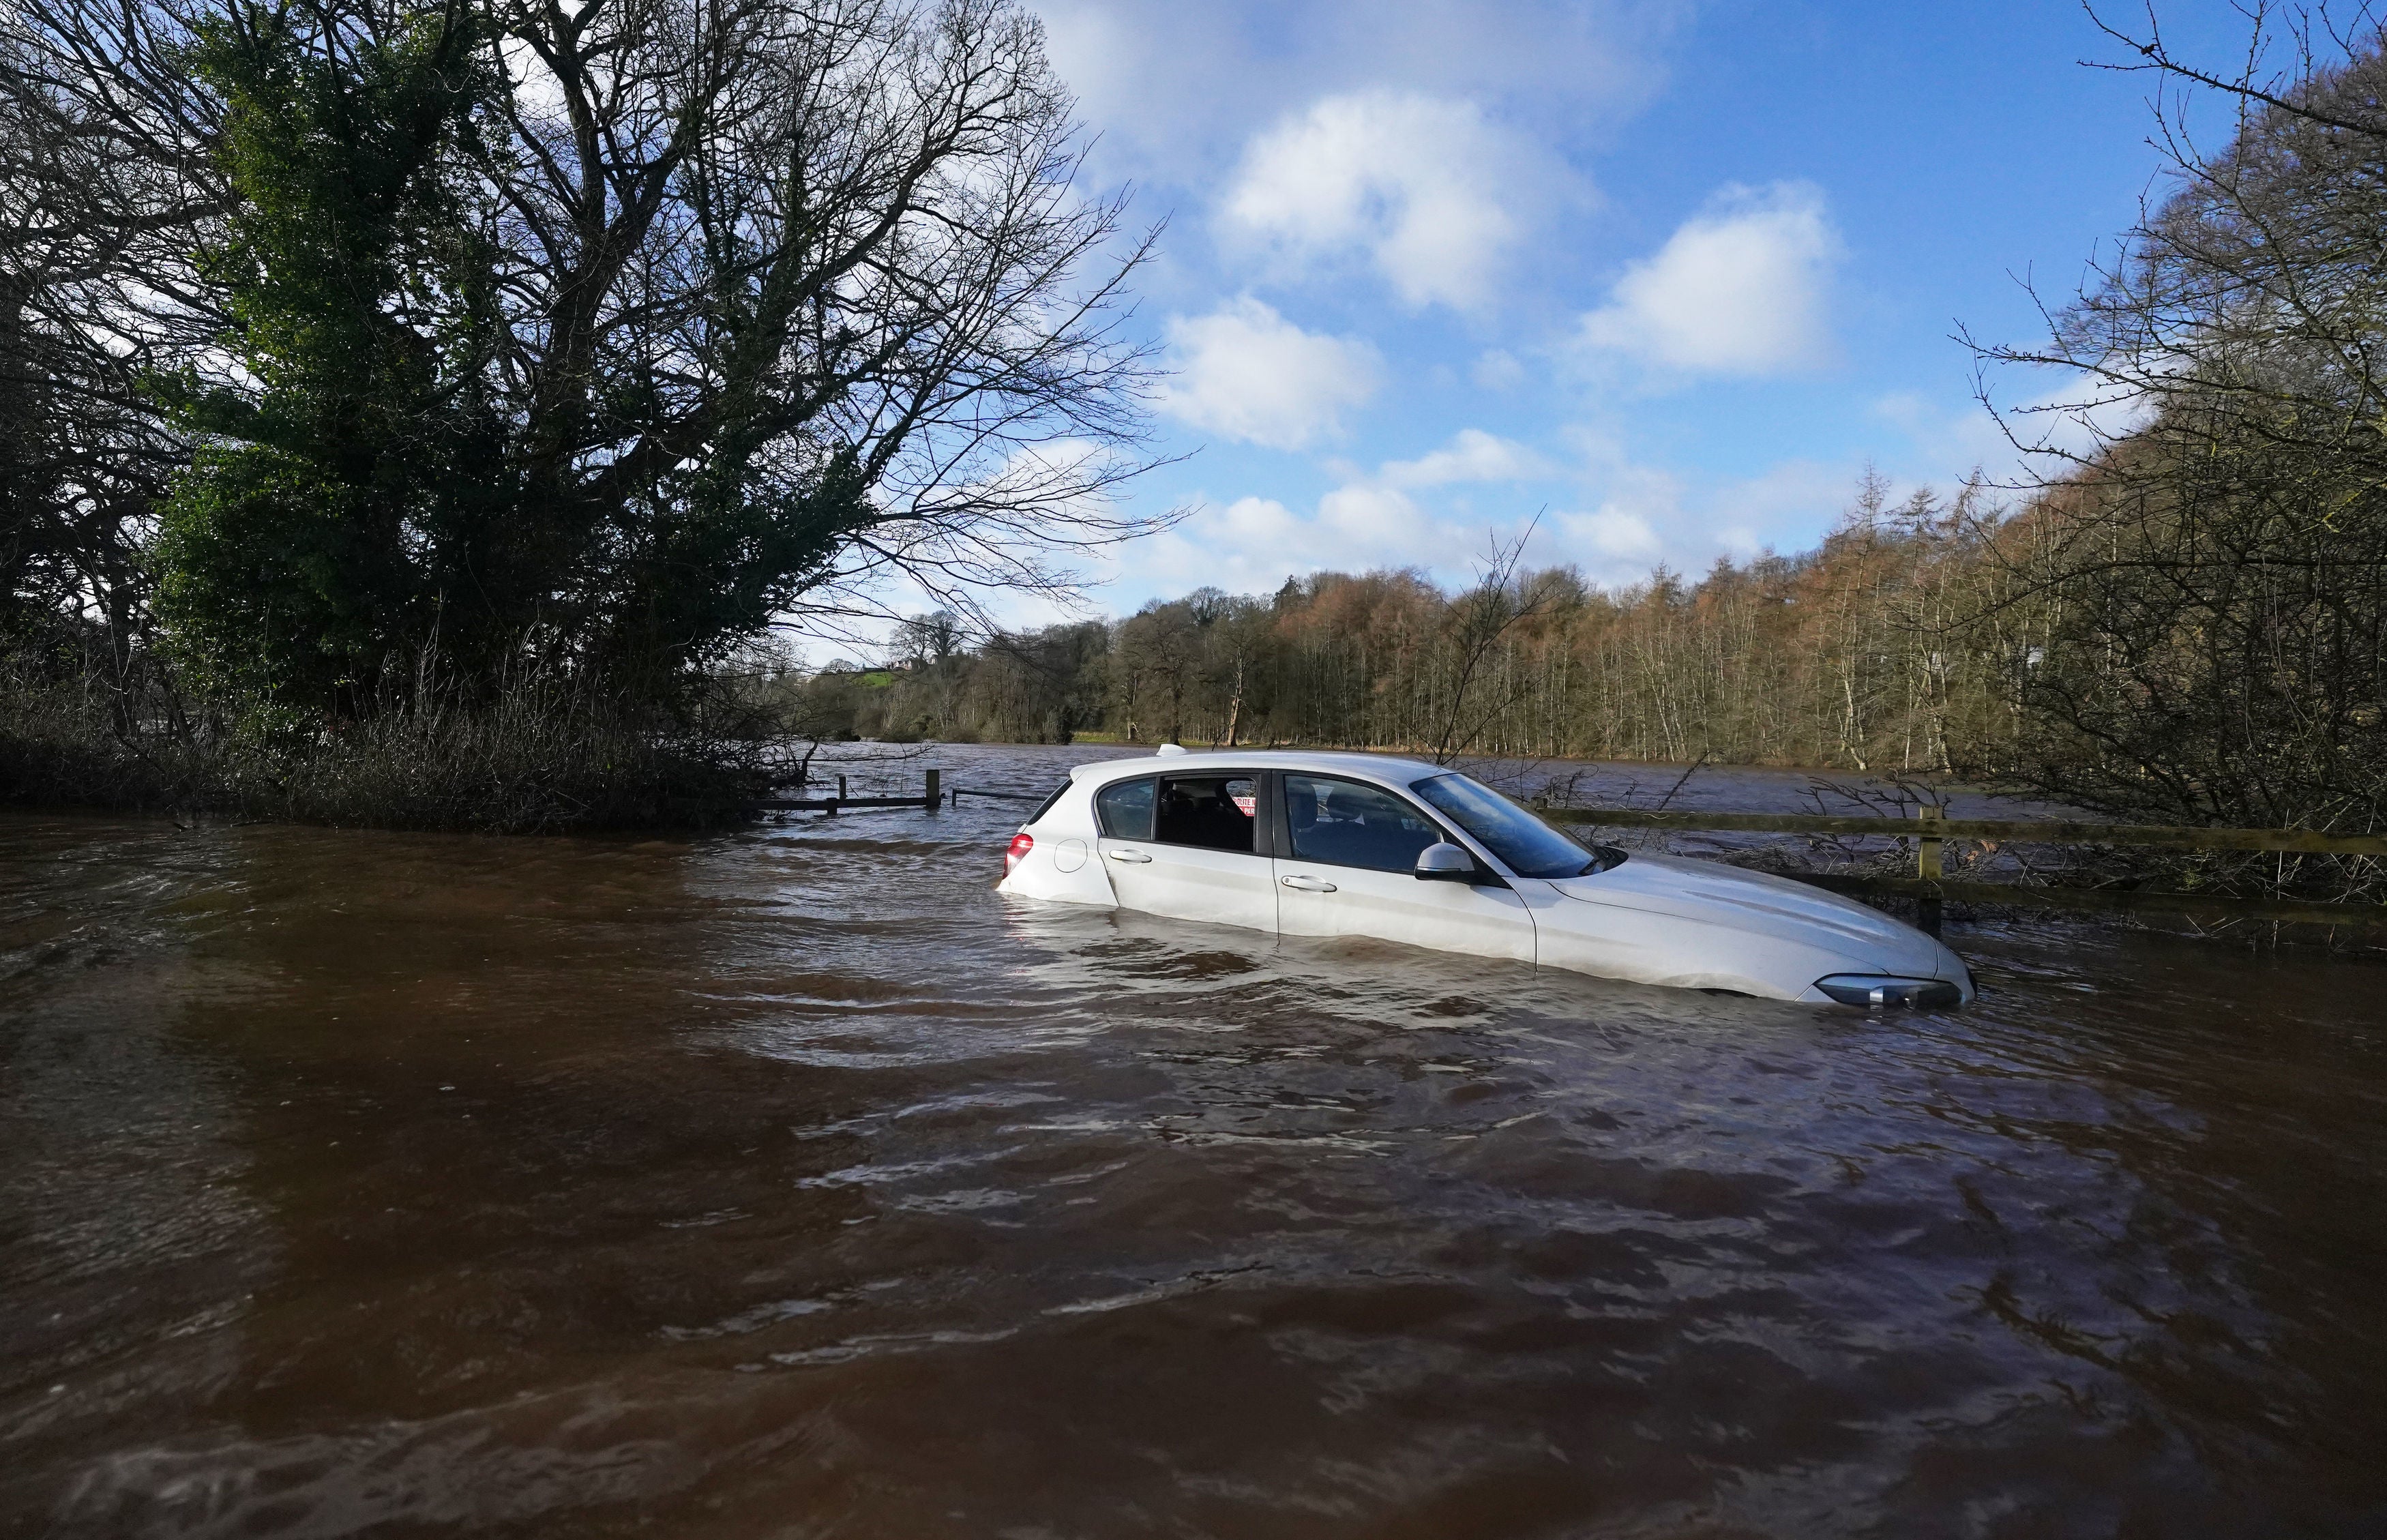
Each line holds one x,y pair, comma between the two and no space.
930,800
1930,831
932,796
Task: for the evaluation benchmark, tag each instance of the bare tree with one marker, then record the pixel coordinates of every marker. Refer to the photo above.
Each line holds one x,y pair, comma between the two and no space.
1483,619
100,182
2203,565
2244,312
784,230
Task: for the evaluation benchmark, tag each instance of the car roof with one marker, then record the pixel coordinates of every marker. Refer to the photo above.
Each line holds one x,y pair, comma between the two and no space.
1390,769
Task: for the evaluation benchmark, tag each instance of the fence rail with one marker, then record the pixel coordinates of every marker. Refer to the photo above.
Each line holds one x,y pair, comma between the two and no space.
2020,830
2098,900
931,798
1930,886
832,805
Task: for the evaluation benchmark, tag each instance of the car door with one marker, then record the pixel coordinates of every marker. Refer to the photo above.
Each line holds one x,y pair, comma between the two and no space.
1188,846
1347,866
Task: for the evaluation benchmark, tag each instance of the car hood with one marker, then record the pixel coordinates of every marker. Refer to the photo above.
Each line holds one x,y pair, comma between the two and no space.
1716,894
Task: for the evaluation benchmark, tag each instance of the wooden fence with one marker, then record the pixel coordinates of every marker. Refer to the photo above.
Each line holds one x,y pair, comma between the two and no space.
932,796
1930,886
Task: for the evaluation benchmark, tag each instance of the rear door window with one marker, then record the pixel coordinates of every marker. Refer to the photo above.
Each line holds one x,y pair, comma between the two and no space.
1124,810
1215,813
1339,823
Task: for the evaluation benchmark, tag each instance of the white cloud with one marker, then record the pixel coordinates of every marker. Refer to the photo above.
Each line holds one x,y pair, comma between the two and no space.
1473,455
1378,520
1633,517
1372,519
2076,419
1787,506
1253,544
1174,88
1263,540
1956,437
1497,370
1247,372
2052,426
1617,534
1739,290
1423,186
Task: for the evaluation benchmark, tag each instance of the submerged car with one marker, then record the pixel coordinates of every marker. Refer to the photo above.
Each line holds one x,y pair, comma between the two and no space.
1325,845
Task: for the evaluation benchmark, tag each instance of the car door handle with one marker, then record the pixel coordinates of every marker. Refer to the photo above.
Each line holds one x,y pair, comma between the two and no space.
1308,884
1127,855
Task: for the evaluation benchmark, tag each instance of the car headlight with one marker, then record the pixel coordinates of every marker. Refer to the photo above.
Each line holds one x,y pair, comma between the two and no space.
1869,989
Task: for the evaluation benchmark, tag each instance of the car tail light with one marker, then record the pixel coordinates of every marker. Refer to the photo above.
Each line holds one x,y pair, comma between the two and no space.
1021,843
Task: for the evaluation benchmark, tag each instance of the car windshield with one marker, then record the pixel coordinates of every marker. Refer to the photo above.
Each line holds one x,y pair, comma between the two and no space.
1530,847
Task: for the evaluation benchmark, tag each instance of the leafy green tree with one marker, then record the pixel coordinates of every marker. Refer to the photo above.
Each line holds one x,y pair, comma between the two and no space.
341,500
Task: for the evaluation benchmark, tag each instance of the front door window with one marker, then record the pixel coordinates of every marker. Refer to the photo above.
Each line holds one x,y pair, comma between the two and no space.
1342,823
1353,872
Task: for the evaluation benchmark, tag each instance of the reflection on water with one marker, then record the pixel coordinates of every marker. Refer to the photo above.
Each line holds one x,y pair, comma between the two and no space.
795,1183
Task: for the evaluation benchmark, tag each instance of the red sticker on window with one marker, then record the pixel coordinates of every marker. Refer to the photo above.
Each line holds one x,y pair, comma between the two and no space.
1250,806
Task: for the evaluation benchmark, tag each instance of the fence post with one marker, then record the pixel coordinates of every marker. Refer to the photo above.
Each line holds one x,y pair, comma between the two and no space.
936,789
1928,866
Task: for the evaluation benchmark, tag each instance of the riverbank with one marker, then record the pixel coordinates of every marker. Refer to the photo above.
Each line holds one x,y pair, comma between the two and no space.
525,759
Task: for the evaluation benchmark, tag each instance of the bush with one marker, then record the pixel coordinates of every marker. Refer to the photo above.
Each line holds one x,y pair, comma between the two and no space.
527,755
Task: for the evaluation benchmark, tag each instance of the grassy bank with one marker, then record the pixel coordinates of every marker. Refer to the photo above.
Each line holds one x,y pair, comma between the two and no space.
529,758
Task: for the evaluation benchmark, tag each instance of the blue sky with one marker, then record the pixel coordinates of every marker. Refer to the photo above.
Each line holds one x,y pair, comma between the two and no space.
1673,273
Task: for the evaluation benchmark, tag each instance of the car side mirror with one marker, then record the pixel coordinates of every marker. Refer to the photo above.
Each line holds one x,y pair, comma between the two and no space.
1445,863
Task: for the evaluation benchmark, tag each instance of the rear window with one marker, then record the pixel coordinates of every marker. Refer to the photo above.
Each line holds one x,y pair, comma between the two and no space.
1046,805
1217,813
1124,810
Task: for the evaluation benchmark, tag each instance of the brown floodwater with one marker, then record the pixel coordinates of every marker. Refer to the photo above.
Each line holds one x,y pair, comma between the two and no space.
793,1183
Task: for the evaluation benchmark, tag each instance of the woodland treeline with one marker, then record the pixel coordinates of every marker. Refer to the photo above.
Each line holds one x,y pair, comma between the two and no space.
1847,656
1929,635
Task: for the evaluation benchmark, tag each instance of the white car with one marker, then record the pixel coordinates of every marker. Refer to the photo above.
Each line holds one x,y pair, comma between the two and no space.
1322,844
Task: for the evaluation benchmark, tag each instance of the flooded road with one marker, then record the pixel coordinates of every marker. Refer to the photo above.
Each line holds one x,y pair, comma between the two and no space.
793,1183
